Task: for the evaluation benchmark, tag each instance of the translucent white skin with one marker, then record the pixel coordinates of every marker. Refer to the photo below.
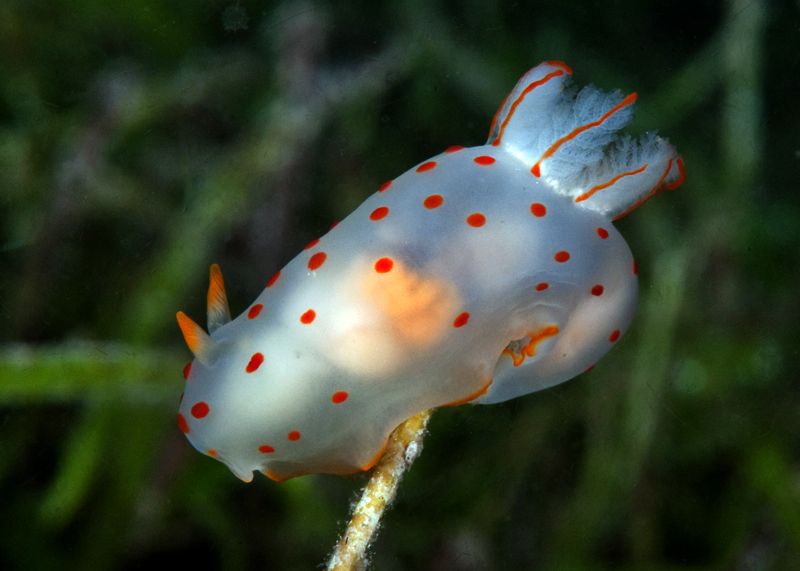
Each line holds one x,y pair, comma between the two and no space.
388,342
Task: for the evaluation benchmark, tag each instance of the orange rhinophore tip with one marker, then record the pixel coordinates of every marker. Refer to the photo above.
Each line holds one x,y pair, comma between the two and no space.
218,312
198,341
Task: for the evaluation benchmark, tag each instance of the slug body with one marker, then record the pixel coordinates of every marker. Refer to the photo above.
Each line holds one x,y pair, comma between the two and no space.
479,275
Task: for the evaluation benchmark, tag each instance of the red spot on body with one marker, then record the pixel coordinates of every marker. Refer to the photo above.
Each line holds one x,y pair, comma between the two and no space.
182,424
308,317
538,209
293,435
254,311
484,160
266,449
311,244
430,165
385,185
476,219
603,233
597,289
635,269
315,261
541,286
461,319
453,149
561,256
384,265
274,279
379,213
200,409
433,201
339,397
187,370
536,171
255,362
614,336
211,452
334,224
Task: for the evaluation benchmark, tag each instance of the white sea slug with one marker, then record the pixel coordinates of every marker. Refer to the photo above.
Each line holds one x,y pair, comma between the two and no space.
480,275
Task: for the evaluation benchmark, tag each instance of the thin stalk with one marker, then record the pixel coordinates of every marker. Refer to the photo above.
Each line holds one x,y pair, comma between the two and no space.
404,445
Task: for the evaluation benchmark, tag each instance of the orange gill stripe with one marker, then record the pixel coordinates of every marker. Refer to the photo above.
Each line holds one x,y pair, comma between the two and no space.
497,115
472,396
648,195
589,193
561,64
531,86
629,100
681,176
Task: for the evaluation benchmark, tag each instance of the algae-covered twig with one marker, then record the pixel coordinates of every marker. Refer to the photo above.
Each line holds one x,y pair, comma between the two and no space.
404,446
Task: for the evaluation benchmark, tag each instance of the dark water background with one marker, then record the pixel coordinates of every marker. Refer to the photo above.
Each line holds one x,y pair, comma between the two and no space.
141,141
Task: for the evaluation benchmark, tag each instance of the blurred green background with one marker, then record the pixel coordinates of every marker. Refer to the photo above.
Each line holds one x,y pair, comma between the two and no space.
141,141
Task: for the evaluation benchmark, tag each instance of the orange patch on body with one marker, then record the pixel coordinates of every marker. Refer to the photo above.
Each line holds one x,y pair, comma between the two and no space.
529,350
416,309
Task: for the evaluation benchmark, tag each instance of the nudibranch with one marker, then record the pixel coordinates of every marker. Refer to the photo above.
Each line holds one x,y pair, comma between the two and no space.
479,275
